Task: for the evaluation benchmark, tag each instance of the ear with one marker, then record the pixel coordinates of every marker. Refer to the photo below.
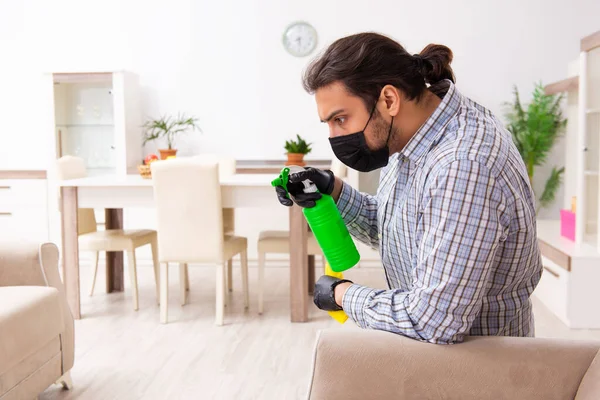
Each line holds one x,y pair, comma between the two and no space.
391,97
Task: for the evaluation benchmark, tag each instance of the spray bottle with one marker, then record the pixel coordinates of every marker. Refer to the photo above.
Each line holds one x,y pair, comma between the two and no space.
329,230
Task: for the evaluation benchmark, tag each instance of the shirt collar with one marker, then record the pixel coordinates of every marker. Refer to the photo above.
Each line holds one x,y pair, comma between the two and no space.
433,128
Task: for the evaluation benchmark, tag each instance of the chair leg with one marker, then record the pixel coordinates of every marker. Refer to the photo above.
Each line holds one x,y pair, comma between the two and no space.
133,276
226,299
187,278
244,262
183,283
164,292
96,255
220,299
230,274
261,279
154,247
65,381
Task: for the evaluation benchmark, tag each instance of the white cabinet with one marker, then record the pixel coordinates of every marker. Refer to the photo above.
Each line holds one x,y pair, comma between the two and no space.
569,283
23,208
96,116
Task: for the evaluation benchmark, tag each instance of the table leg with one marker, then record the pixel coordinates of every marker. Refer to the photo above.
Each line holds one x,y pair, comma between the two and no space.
311,274
70,248
114,259
298,265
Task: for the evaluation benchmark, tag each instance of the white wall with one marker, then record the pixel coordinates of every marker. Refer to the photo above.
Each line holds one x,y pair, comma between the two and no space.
224,62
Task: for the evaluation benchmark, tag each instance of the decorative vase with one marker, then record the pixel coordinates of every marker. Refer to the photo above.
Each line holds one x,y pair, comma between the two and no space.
295,159
164,153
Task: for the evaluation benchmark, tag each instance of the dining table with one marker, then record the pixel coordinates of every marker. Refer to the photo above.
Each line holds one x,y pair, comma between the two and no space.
116,193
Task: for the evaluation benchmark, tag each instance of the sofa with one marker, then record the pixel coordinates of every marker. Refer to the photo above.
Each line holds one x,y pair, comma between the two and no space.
368,364
36,325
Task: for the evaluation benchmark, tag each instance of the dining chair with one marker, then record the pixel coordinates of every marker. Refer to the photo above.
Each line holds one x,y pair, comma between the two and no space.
278,242
187,195
227,168
95,241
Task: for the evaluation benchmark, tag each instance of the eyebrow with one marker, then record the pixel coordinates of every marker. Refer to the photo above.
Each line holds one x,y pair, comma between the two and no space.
333,114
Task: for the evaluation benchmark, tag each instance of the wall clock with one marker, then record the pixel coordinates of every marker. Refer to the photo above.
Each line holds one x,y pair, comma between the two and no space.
300,39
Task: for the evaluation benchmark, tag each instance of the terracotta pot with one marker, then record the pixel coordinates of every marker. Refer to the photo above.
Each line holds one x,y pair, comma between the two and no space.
295,159
164,153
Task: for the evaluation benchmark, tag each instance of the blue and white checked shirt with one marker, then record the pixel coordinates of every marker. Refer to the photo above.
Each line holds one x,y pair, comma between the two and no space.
454,222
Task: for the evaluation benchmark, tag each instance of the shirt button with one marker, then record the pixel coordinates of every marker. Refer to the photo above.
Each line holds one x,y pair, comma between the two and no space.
379,235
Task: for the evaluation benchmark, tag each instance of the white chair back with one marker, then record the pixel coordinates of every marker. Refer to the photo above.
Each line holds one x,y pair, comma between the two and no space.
71,167
227,168
338,168
227,164
187,195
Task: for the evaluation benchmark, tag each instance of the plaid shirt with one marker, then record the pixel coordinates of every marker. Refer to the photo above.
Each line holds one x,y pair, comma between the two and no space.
454,222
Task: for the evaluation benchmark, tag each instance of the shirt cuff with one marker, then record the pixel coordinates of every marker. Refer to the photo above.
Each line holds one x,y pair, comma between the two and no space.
349,203
355,301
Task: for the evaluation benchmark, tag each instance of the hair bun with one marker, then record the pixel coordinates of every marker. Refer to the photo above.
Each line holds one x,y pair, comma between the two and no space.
434,61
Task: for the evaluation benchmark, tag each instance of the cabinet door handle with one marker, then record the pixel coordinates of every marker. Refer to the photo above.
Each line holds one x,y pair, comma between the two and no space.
551,272
4,187
6,214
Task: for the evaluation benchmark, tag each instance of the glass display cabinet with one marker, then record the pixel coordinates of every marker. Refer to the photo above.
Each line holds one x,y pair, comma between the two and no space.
97,117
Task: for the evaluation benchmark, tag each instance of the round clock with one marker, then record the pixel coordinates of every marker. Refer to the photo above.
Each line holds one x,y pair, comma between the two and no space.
300,39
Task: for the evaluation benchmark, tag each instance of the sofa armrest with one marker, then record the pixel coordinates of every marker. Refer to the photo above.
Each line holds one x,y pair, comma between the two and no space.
20,264
360,364
34,264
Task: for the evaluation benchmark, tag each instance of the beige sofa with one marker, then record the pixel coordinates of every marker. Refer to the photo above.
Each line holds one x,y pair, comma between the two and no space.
366,364
36,326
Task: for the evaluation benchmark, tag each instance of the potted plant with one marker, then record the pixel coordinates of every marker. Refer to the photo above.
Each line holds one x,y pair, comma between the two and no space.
168,127
535,130
296,150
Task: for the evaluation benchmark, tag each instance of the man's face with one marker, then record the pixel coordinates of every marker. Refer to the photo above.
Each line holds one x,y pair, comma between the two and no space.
345,114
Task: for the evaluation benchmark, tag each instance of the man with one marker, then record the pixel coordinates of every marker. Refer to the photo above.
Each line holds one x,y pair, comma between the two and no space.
454,215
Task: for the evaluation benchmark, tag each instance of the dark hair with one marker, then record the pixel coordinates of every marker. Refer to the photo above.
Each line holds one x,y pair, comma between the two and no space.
366,62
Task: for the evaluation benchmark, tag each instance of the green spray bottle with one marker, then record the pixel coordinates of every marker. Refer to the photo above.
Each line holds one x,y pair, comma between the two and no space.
329,230
327,225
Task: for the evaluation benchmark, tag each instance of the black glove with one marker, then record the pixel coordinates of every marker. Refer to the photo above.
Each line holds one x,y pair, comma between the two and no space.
324,180
324,294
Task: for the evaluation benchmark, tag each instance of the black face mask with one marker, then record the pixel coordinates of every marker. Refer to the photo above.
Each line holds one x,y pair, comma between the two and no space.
353,151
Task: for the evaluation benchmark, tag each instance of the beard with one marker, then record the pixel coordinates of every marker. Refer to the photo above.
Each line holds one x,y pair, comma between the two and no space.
383,133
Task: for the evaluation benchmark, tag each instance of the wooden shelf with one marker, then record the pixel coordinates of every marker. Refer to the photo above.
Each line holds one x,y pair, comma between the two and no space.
22,174
566,85
85,126
82,77
590,42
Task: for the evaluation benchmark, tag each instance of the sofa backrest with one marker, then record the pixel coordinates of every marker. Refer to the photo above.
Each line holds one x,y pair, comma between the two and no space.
359,364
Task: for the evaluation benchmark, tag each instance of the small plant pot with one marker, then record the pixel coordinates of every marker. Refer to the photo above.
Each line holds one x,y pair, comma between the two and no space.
295,159
164,153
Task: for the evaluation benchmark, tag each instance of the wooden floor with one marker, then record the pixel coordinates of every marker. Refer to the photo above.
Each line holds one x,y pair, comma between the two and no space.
122,354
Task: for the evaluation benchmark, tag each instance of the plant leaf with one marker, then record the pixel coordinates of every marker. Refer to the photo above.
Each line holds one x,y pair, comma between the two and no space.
552,185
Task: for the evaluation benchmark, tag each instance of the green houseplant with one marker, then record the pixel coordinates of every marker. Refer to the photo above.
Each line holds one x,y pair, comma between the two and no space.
535,129
296,150
168,127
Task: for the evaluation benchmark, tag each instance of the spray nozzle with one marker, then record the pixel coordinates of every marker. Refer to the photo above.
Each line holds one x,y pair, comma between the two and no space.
283,179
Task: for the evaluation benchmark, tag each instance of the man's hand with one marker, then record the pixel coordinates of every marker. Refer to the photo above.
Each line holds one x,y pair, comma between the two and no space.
324,180
326,292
